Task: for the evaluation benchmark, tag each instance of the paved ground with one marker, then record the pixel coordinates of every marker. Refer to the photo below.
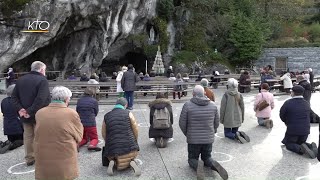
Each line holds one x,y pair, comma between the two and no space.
263,158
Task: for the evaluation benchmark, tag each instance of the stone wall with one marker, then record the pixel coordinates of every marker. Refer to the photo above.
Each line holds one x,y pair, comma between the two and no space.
298,59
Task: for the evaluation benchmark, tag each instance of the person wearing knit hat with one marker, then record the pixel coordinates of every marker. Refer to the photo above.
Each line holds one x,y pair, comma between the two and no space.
232,112
120,133
208,92
295,113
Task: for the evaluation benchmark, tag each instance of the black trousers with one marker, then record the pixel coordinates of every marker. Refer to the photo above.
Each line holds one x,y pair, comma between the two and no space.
13,138
195,150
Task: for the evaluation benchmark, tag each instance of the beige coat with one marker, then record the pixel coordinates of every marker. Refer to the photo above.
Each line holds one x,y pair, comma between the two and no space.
123,162
58,131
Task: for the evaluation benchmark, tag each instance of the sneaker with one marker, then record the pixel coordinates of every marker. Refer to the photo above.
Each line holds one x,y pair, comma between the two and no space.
136,169
271,123
200,170
314,148
110,168
5,147
240,138
245,136
306,150
221,171
16,144
30,163
267,123
93,148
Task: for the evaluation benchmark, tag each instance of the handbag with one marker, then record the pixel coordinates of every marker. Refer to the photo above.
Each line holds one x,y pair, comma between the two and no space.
262,104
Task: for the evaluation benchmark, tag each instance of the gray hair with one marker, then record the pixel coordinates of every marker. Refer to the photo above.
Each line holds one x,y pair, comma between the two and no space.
37,66
10,89
198,91
232,83
122,101
60,93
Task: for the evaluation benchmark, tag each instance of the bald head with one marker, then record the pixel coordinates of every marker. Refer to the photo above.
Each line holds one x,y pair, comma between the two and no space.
198,91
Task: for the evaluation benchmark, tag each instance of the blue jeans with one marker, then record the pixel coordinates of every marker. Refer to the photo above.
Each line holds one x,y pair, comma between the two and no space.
129,96
230,132
261,121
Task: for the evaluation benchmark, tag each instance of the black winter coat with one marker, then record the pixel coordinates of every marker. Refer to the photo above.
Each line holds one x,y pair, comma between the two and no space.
160,104
128,81
11,122
307,90
31,93
88,109
295,113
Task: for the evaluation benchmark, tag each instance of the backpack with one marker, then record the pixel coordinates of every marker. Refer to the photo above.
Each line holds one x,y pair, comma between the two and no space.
161,119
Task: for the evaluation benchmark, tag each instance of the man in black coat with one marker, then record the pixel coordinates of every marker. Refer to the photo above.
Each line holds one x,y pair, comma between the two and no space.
31,94
307,88
311,77
295,113
128,84
314,118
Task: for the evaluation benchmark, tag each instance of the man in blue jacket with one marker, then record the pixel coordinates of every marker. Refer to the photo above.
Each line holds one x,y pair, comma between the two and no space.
295,113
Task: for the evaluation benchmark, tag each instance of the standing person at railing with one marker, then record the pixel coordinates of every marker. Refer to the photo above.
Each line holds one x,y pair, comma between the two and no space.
10,78
287,82
311,78
128,84
177,88
118,79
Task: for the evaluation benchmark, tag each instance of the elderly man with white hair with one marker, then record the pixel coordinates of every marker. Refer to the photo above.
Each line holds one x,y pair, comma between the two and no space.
199,120
57,134
31,94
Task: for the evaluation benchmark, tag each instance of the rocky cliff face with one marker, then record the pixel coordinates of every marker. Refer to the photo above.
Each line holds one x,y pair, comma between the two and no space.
82,33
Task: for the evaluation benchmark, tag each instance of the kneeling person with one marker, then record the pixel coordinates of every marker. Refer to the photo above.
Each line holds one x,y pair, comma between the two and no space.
295,113
161,120
120,132
199,120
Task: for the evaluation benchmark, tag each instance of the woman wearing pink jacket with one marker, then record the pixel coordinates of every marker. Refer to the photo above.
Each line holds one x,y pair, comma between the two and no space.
265,114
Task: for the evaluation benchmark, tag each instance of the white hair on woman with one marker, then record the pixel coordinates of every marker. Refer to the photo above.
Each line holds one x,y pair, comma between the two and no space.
309,69
37,66
60,93
198,91
232,83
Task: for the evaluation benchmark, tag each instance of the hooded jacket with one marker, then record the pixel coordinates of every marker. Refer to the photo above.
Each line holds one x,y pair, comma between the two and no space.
160,104
232,109
199,120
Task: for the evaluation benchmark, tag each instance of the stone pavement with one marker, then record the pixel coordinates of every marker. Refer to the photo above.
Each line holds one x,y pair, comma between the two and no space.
263,158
